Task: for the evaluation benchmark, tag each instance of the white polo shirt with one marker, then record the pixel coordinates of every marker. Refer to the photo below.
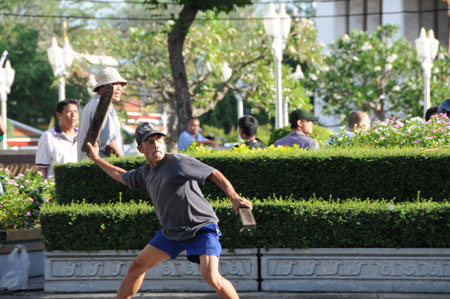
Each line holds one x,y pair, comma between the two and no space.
54,147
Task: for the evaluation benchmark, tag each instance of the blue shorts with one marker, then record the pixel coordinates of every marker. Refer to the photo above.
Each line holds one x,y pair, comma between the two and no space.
205,241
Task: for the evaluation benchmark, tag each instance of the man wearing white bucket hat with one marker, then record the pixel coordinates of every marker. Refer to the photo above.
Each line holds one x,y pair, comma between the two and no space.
110,138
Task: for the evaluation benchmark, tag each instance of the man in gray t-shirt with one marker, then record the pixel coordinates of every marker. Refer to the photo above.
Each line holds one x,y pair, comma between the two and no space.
188,220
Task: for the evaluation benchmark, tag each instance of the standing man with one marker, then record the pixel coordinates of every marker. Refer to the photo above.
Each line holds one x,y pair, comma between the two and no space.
110,138
188,220
301,124
191,133
248,126
59,144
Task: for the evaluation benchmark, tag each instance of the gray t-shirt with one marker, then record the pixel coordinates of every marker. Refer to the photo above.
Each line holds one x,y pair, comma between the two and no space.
175,193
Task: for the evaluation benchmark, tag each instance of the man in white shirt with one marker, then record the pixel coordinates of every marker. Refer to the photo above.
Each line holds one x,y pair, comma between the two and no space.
110,138
59,144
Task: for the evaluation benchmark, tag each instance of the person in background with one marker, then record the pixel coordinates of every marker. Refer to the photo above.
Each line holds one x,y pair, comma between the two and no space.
59,144
110,138
248,126
358,120
191,133
2,129
431,112
445,107
301,124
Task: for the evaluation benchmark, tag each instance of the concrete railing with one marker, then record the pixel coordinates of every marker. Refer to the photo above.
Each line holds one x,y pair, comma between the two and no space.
298,270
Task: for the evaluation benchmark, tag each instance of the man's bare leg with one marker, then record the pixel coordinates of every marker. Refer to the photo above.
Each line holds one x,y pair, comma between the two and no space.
209,266
149,257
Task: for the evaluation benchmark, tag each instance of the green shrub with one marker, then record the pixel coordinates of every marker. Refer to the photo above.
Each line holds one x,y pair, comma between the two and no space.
398,173
281,223
412,132
22,197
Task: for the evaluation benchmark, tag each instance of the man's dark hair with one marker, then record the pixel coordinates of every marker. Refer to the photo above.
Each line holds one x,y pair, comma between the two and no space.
430,112
62,104
355,118
249,125
191,118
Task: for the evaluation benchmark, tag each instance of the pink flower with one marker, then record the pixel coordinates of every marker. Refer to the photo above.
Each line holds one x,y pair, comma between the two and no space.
28,214
30,199
26,223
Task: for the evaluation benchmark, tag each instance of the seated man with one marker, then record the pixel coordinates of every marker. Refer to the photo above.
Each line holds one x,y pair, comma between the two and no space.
59,144
191,133
248,126
301,124
431,112
358,120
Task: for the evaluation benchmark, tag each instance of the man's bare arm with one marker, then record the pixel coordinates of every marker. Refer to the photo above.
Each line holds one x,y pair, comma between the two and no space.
238,202
114,148
111,170
208,142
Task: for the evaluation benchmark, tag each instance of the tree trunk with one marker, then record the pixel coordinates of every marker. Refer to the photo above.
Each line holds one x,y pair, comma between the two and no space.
175,42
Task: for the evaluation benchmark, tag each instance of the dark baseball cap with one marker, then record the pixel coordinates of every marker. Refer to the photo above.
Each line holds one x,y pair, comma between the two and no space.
300,114
146,130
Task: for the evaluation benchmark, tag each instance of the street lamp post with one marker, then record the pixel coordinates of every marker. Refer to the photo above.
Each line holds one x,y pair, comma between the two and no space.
277,27
60,60
6,80
427,48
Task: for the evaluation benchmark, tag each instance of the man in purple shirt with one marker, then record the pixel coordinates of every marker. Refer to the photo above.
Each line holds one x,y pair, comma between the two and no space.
302,124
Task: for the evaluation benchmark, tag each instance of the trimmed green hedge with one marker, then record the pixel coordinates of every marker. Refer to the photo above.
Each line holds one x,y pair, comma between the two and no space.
340,173
282,223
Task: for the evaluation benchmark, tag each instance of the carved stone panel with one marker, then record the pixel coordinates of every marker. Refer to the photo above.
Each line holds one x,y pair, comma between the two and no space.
104,270
371,270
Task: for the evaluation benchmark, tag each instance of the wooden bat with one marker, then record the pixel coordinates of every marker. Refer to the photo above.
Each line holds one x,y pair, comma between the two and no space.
247,219
99,117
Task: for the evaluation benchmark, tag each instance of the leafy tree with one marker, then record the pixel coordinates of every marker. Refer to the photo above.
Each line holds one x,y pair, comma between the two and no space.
374,72
176,39
209,45
34,93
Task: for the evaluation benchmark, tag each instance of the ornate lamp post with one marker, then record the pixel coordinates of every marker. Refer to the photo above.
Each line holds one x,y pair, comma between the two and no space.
277,27
6,80
427,48
60,60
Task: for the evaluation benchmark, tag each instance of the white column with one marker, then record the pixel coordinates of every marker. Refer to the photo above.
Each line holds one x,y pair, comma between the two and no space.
62,89
427,64
277,47
240,109
4,115
326,26
285,113
398,18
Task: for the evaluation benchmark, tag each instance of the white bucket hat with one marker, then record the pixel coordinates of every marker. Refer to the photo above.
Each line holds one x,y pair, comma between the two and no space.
109,75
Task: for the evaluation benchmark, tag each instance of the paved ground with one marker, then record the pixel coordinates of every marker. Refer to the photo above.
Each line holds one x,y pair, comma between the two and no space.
36,285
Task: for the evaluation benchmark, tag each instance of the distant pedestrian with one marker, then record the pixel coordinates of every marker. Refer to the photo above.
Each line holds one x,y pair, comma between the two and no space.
248,127
358,120
191,133
445,107
2,129
110,138
59,144
301,124
431,112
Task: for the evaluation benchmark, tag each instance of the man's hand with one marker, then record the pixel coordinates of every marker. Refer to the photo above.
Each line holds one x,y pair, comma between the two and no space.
240,202
94,151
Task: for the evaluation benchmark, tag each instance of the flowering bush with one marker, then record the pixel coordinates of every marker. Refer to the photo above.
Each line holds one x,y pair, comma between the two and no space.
412,132
22,198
